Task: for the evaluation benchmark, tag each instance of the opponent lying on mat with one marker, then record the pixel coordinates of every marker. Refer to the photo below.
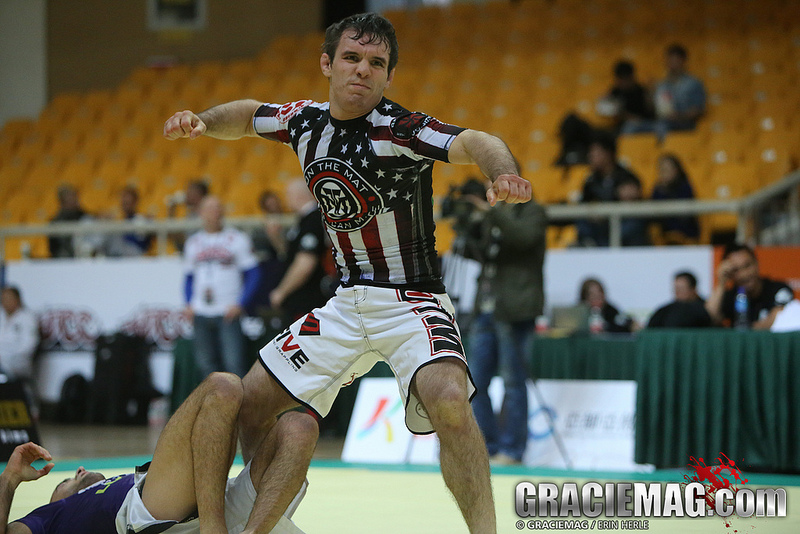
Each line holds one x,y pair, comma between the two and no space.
175,490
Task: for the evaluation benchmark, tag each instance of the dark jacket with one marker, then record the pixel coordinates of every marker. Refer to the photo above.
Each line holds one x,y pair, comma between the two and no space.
517,286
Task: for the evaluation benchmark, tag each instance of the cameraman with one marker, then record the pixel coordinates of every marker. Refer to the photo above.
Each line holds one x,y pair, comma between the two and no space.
509,241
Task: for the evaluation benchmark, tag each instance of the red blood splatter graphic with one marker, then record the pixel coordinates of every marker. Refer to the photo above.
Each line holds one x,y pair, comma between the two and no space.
715,478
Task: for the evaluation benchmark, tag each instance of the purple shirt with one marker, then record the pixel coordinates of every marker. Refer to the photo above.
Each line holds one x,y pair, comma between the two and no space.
91,511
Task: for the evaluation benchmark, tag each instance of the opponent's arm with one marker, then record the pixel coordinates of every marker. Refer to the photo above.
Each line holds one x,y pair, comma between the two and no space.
233,120
18,470
495,161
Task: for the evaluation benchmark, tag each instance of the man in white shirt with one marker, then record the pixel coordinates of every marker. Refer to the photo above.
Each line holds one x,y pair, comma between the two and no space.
19,335
222,278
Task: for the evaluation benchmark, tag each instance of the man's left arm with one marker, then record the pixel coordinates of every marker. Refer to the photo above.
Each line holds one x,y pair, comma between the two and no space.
19,470
495,161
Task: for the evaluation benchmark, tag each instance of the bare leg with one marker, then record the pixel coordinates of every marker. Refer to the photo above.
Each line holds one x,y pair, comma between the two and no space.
194,453
279,469
264,400
442,388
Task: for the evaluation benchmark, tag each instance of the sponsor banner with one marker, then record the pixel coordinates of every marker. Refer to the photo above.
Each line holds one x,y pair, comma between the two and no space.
78,300
17,425
594,419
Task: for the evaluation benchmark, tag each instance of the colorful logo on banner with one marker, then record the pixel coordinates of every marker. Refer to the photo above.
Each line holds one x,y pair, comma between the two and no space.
381,417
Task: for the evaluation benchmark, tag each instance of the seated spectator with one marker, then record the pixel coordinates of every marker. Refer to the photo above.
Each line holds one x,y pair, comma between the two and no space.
634,229
195,192
69,210
686,311
133,244
627,100
593,295
19,335
742,298
679,99
601,186
673,184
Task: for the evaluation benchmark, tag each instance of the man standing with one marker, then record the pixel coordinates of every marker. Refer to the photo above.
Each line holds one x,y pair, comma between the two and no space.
222,278
510,297
368,162
19,336
300,288
743,298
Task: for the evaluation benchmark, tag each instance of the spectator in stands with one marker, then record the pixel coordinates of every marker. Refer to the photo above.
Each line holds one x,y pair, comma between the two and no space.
634,229
510,241
132,244
601,186
195,192
603,316
627,100
673,184
686,311
19,335
679,99
222,277
738,279
301,288
69,210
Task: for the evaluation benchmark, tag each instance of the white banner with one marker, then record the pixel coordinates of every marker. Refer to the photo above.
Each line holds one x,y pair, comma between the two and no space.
593,419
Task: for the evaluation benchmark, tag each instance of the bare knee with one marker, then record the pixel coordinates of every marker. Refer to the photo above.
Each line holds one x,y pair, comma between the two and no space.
448,409
225,388
298,430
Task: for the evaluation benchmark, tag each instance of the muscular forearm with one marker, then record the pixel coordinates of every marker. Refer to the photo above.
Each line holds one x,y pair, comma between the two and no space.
488,152
233,120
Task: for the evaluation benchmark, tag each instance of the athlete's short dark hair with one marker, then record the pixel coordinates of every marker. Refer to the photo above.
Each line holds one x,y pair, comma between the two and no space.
377,28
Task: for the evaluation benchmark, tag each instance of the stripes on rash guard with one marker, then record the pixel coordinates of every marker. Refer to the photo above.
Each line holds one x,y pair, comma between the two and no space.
371,177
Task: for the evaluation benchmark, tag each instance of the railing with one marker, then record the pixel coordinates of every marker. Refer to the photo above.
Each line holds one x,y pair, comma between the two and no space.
785,228
746,209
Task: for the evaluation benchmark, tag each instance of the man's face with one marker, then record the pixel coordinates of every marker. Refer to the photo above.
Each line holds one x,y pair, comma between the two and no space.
358,75
683,290
71,486
127,202
599,157
9,301
211,213
743,269
675,63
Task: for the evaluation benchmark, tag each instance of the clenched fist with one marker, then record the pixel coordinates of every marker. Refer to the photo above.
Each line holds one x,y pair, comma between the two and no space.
184,124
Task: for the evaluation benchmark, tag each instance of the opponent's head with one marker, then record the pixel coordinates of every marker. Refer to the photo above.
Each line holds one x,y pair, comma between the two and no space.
358,58
70,486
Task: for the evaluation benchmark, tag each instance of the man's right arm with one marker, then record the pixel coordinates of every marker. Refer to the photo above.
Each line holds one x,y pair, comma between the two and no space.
233,120
714,302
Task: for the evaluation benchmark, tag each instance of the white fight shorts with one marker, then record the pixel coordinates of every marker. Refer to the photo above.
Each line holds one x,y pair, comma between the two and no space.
240,495
361,325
